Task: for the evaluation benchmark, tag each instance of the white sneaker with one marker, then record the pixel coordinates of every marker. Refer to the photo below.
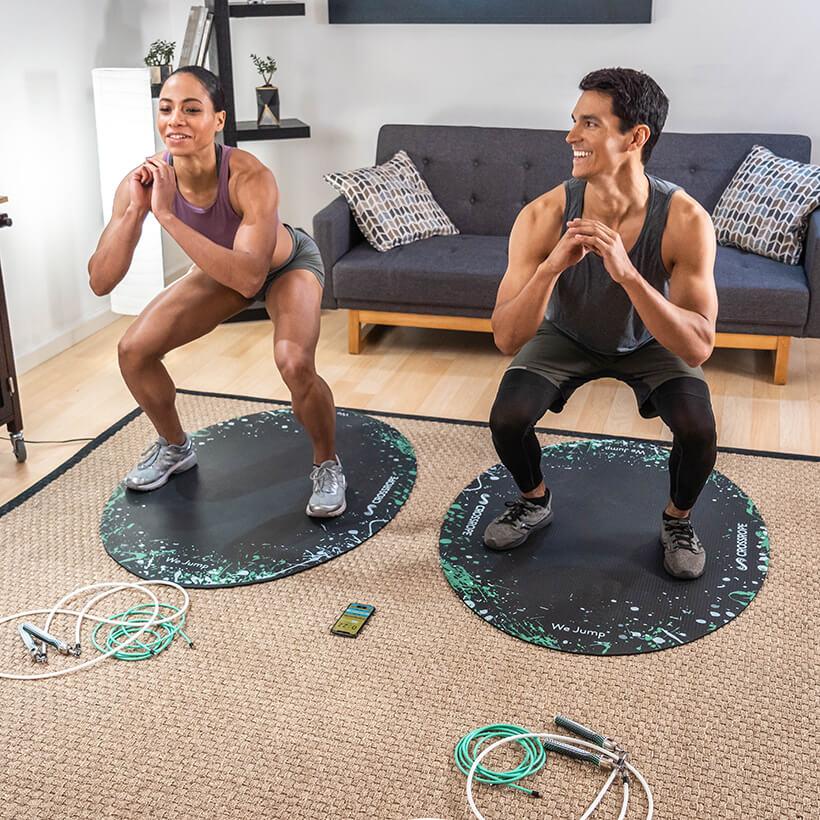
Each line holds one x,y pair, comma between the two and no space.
159,462
329,485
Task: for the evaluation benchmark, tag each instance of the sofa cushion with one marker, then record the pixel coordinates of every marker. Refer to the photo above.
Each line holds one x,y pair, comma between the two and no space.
765,208
392,204
459,270
465,271
751,287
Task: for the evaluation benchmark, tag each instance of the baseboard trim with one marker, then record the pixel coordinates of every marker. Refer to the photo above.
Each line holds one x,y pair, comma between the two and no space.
65,340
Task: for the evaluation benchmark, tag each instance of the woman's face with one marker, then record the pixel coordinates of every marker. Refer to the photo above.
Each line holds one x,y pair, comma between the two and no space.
186,120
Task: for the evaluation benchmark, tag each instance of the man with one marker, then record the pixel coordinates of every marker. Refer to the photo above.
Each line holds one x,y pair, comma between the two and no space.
609,274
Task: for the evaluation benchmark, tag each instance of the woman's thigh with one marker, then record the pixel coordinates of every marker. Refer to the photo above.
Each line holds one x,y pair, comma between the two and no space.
294,304
193,306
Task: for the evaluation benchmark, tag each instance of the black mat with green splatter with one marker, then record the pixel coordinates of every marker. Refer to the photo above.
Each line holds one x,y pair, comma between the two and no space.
239,516
593,581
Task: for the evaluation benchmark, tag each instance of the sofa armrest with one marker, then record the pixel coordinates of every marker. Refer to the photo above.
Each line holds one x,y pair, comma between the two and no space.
812,265
335,232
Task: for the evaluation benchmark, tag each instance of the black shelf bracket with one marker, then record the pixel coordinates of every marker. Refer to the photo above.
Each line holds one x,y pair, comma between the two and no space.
219,54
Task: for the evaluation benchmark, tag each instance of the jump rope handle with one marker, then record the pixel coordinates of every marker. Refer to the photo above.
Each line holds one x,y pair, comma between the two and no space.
37,653
571,751
583,731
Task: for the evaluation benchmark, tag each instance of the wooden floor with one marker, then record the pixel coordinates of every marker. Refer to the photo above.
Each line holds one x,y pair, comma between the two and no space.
429,372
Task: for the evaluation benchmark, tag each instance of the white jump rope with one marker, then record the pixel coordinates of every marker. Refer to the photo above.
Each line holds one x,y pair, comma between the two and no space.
602,747
36,639
593,748
616,756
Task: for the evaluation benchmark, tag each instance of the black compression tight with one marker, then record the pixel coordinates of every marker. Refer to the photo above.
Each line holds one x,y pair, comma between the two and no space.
683,404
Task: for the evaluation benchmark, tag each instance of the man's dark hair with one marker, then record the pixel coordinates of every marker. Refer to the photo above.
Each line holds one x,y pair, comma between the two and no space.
636,100
208,79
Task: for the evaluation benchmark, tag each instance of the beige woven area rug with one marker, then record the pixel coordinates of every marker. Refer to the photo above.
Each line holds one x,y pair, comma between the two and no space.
273,717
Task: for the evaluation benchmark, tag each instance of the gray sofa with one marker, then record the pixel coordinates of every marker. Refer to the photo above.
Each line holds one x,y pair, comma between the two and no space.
483,176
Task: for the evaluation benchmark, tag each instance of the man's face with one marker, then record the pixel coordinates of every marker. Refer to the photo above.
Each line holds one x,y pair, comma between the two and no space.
598,146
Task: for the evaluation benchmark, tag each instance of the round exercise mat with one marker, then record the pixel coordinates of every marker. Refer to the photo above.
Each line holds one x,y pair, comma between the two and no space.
593,581
238,517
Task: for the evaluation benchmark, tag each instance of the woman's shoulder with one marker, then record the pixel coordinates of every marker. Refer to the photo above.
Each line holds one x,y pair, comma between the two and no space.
243,162
250,181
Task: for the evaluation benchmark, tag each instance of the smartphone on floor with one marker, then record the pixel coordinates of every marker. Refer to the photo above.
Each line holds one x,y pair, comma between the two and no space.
351,621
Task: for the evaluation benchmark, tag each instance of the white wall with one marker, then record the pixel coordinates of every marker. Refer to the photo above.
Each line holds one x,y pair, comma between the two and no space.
48,158
733,65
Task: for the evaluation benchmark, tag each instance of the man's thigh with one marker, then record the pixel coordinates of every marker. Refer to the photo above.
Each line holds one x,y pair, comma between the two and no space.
559,359
652,365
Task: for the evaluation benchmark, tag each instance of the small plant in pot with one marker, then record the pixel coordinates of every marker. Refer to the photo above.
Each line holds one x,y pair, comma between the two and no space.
159,57
267,95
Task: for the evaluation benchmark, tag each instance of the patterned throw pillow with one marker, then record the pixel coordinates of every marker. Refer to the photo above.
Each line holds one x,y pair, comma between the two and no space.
392,204
765,208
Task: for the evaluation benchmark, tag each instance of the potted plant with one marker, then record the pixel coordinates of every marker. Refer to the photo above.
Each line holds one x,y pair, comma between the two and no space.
267,95
158,59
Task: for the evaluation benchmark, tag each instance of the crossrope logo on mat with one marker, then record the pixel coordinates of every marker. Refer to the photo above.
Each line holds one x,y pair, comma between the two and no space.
742,546
483,501
379,497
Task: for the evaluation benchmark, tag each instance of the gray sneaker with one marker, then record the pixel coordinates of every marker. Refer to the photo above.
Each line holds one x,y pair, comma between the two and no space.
513,527
158,463
683,554
329,485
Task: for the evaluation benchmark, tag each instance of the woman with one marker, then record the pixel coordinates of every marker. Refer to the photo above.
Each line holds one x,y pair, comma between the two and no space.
220,204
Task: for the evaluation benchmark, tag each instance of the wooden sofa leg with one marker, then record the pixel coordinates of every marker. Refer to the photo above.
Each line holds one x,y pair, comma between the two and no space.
781,359
354,332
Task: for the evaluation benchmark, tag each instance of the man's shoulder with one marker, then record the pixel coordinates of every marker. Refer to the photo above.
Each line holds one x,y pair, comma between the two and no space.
547,209
689,231
685,212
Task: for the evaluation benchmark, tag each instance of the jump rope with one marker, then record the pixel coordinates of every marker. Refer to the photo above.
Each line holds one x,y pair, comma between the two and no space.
589,747
141,632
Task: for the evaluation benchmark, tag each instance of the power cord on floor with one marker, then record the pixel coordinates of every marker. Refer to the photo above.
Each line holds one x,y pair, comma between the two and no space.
57,441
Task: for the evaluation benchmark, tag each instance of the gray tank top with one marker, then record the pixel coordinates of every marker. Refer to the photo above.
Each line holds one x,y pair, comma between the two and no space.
587,304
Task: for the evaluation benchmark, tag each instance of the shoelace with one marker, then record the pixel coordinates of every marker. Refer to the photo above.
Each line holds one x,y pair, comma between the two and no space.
324,479
149,454
515,511
153,451
682,534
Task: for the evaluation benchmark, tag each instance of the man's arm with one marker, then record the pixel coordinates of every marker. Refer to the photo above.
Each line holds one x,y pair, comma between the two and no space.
684,323
244,267
530,277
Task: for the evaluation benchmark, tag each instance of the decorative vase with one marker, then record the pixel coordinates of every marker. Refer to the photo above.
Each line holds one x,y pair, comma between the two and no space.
267,106
160,73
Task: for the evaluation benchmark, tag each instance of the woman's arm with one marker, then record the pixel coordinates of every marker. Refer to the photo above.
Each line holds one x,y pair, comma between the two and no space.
244,267
110,261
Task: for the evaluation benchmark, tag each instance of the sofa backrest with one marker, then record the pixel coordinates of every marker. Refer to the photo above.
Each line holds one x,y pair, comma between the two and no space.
482,177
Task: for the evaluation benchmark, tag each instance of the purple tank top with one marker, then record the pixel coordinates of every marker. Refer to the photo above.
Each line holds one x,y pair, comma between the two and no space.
218,222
